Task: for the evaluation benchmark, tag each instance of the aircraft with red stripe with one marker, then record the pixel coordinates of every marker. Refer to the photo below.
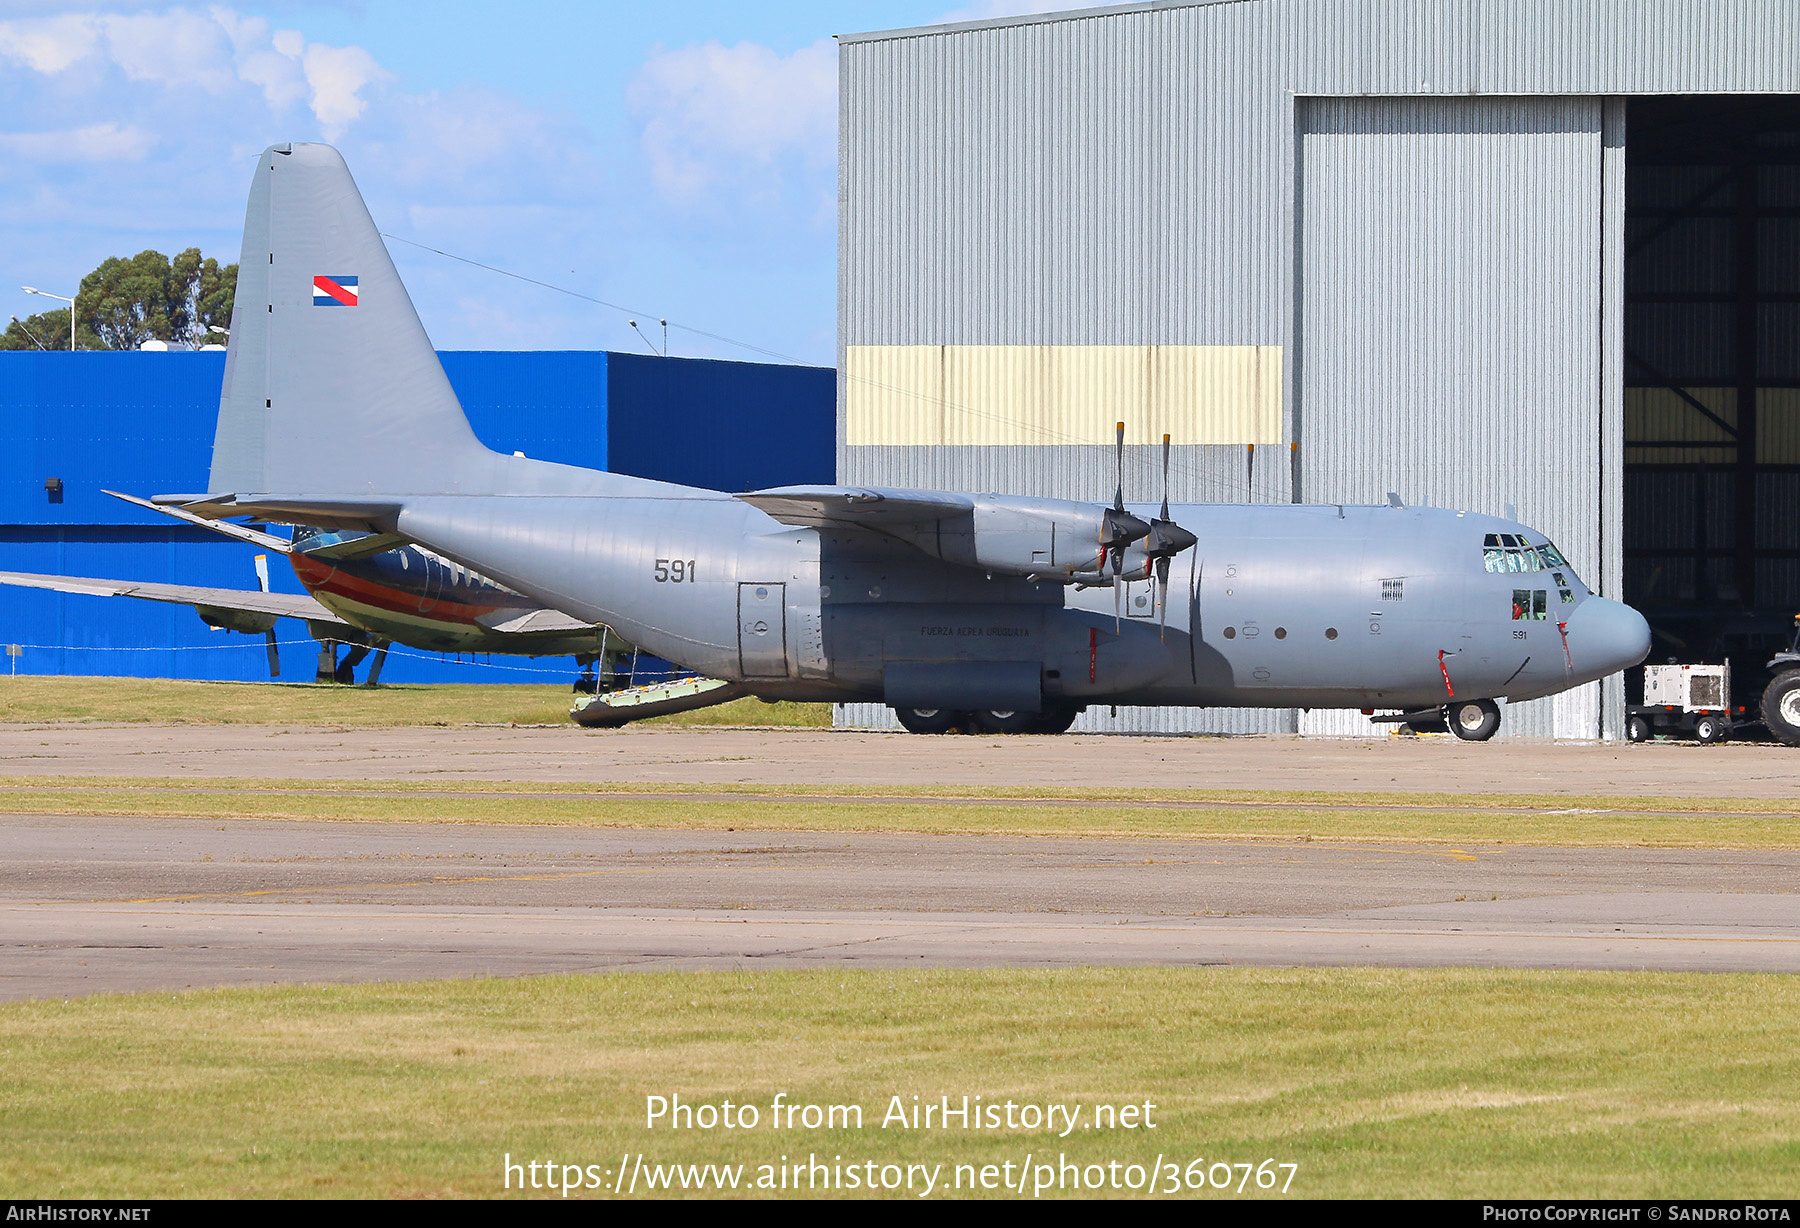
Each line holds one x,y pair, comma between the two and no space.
365,591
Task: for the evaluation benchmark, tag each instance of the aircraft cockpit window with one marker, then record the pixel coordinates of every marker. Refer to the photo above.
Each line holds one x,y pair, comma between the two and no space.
1530,604
1492,556
1509,553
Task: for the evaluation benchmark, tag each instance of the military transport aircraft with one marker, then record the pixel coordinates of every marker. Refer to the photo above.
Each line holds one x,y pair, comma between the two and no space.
367,591
936,603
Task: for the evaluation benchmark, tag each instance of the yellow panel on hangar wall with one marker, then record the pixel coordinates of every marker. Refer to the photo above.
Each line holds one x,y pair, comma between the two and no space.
989,395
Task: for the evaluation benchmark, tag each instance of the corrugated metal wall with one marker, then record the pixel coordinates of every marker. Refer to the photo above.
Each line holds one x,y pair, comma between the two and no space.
1132,177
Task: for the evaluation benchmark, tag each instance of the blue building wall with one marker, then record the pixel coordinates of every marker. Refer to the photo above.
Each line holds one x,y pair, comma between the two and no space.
143,424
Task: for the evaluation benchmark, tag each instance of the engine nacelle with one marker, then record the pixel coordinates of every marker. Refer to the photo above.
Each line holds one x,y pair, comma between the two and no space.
1051,539
246,621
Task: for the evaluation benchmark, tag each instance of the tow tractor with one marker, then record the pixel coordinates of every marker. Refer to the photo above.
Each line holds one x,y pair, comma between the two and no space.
1781,698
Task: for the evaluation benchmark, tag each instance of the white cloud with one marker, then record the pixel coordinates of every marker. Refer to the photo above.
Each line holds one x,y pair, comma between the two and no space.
216,51
282,80
50,45
172,49
336,77
94,143
723,117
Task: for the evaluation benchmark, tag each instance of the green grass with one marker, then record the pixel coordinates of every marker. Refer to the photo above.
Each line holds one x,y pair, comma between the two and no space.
165,701
1193,814
1378,1083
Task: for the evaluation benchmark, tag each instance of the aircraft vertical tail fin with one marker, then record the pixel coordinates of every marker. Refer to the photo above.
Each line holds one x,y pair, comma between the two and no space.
331,384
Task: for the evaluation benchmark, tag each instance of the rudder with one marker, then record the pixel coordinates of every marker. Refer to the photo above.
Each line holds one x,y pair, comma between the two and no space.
331,385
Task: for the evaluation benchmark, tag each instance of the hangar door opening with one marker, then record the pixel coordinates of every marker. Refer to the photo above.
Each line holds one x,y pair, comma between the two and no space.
1452,325
1712,375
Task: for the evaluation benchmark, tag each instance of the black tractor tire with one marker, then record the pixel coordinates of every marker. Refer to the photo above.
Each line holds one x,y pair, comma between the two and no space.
1637,729
1473,720
996,721
1781,707
1709,728
931,720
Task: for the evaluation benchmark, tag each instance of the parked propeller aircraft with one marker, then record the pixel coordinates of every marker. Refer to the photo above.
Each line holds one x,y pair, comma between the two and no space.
938,604
367,591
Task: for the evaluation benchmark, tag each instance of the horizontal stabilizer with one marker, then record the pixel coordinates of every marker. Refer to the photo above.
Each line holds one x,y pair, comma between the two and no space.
368,515
268,541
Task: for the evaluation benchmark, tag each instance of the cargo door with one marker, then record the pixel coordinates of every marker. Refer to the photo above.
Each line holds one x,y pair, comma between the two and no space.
762,630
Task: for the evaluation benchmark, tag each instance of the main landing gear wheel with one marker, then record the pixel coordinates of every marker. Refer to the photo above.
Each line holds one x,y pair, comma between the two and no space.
1473,720
929,720
1049,721
1781,707
993,720
1711,729
1637,729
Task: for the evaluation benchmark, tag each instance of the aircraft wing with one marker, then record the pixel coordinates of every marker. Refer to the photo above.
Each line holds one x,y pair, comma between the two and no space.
514,621
284,605
866,507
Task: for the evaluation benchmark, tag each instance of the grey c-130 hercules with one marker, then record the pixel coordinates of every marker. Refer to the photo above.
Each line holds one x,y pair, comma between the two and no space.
1001,609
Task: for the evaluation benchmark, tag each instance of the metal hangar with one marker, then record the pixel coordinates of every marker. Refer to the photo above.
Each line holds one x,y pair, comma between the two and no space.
1541,253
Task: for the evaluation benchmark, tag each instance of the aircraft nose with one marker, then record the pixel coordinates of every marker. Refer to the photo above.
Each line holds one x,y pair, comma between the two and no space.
1605,637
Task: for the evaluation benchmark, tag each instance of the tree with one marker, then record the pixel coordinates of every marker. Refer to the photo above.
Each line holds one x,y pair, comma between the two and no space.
126,302
47,330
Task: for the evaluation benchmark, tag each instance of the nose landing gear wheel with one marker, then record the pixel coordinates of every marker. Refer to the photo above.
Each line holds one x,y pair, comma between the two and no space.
1473,720
930,720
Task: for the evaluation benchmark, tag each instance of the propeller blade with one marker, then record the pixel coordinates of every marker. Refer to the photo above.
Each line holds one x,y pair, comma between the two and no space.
1118,596
1162,597
262,572
1119,454
1165,506
274,654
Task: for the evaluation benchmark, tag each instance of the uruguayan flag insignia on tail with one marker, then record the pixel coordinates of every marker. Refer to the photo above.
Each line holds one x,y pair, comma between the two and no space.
334,291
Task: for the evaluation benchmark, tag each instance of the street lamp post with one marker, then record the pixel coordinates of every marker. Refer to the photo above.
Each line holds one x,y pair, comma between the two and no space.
69,301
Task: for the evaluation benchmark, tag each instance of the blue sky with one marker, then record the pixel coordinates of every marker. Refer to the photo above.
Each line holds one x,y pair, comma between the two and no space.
677,158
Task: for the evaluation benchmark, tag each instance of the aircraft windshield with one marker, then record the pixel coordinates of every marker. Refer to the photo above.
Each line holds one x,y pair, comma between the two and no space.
1512,552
